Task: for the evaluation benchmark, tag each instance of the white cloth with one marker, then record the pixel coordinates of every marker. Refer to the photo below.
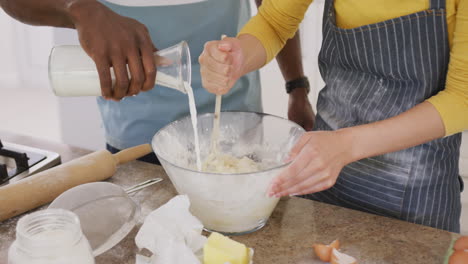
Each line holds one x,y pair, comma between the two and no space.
172,234
153,2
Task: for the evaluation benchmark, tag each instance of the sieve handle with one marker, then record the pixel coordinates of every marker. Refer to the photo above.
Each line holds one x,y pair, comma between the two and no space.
142,185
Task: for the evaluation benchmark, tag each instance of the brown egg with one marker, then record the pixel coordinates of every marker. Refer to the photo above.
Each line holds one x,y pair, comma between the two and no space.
461,244
324,252
459,257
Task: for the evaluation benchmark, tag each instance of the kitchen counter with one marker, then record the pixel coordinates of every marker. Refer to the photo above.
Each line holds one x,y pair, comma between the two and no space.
294,226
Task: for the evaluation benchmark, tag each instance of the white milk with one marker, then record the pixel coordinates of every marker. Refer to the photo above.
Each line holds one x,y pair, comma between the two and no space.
86,83
193,116
82,83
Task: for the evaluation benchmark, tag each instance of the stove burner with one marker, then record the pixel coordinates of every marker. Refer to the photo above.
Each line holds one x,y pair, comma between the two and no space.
21,159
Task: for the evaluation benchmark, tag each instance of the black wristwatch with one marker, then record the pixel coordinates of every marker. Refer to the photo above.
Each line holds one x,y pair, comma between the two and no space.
302,82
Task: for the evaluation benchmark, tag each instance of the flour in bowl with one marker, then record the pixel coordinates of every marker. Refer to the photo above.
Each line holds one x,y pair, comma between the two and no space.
223,163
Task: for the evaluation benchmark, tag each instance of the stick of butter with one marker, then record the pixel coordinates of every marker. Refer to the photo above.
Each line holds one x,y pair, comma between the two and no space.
220,249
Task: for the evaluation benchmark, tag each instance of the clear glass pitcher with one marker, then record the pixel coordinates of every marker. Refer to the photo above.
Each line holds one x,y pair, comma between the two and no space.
73,73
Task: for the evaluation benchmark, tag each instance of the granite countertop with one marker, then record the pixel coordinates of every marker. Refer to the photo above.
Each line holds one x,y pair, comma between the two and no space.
294,226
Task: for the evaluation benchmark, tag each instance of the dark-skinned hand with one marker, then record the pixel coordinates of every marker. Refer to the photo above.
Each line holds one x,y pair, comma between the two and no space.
300,110
113,42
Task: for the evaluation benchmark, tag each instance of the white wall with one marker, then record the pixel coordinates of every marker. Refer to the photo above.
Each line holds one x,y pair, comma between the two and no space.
26,104
8,69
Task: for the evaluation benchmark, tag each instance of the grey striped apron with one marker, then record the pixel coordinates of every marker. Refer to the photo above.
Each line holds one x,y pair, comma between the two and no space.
375,72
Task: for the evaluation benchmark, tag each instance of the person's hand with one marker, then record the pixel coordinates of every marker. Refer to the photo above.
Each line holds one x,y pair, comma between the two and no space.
300,110
318,158
114,41
221,65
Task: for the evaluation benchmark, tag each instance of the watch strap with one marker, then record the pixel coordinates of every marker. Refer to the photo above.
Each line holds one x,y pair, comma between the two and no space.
302,82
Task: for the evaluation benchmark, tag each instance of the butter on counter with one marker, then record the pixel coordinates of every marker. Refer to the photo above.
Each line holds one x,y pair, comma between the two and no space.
220,249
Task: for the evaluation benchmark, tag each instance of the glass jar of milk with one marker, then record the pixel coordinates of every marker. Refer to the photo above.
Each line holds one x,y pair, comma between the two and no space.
73,73
50,236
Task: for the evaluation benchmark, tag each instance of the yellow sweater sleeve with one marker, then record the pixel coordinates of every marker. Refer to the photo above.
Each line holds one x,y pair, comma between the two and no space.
452,102
276,22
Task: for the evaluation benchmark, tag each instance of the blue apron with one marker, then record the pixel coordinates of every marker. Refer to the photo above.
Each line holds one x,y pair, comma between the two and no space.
136,119
375,72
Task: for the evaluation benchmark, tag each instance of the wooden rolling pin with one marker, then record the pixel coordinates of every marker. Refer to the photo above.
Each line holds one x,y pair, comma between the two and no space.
44,187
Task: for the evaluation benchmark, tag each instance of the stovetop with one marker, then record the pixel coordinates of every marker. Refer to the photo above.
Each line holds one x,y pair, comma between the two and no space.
18,161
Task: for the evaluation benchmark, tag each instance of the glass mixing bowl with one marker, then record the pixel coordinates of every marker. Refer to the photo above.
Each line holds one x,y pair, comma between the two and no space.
232,204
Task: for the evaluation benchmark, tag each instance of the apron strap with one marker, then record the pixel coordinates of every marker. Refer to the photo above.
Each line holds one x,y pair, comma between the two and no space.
437,4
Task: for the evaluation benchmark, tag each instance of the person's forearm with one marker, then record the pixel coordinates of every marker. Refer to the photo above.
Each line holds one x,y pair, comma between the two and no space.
253,52
57,13
418,125
290,63
289,58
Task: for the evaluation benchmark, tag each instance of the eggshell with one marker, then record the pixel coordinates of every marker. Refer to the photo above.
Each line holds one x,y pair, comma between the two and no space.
461,243
459,257
335,244
323,252
341,258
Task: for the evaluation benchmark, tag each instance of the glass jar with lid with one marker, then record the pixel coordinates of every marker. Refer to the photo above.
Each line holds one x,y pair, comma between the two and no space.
50,236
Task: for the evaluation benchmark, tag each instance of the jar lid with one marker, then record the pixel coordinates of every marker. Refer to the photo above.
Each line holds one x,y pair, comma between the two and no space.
106,212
